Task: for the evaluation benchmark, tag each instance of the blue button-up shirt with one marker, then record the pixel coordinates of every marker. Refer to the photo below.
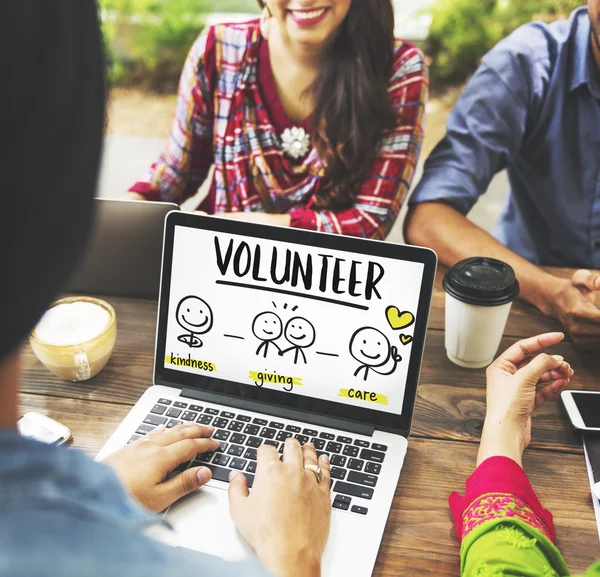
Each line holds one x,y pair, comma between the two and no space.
532,107
62,514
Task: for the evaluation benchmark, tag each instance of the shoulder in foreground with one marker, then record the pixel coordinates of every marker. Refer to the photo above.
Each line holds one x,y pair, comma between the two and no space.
237,29
540,41
234,39
236,34
408,60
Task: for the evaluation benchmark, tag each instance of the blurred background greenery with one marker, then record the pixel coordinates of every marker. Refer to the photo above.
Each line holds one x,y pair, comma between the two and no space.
462,31
149,39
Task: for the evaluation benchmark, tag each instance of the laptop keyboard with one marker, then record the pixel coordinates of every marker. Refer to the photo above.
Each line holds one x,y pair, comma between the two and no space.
355,463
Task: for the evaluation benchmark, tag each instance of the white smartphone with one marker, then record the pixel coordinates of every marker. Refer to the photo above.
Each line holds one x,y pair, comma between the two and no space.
42,428
583,408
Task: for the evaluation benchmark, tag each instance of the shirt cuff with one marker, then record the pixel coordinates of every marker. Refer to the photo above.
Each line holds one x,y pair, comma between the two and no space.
303,218
499,488
146,190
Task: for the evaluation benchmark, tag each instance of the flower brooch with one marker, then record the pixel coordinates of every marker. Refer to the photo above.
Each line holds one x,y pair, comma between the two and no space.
295,142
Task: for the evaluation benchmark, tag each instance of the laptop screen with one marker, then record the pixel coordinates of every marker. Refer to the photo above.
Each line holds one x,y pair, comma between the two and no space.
310,321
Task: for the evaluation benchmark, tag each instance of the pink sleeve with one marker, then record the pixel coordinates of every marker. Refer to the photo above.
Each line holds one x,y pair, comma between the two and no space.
388,180
499,488
184,165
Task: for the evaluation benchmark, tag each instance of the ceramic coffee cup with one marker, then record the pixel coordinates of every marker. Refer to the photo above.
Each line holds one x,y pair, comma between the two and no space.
75,338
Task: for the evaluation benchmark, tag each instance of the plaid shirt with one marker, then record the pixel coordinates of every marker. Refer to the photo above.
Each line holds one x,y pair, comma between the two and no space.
227,117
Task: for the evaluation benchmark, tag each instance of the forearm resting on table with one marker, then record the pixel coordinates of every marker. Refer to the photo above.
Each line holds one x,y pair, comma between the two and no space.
454,238
259,217
133,196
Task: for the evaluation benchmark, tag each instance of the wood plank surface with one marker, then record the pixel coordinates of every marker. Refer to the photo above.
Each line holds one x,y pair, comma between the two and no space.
419,537
451,400
449,413
91,423
450,403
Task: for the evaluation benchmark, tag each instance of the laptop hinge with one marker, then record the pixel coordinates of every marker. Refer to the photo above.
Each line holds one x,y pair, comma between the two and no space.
278,411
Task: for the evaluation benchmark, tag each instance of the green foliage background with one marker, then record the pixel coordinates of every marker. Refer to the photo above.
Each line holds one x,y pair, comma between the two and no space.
149,39
462,31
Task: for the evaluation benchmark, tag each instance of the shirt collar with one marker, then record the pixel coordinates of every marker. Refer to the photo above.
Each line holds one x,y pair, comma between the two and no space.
581,65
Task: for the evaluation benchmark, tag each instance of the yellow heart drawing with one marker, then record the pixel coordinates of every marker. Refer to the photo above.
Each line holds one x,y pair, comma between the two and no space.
399,320
406,339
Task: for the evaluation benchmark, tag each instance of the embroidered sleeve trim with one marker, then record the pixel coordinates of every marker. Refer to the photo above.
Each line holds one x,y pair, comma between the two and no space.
491,506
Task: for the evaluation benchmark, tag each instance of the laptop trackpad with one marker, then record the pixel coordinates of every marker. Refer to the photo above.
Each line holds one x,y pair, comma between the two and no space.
201,522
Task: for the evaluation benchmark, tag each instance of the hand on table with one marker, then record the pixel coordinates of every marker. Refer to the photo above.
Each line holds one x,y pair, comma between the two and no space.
143,465
286,517
512,394
133,196
258,217
572,303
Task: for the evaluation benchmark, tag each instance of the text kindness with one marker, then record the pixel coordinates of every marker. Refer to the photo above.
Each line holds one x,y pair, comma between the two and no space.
286,267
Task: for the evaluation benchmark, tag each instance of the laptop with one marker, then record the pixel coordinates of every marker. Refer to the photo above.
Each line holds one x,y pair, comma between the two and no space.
124,254
268,332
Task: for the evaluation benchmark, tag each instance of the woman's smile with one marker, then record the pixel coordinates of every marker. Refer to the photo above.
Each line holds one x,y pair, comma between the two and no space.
309,16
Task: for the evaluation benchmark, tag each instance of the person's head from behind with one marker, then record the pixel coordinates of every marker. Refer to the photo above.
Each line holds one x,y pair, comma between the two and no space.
53,126
354,41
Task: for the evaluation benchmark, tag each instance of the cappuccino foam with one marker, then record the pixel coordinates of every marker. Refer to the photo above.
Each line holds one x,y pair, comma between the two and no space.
72,323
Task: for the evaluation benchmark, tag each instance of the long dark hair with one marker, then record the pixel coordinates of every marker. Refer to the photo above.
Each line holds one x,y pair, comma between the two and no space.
352,107
53,120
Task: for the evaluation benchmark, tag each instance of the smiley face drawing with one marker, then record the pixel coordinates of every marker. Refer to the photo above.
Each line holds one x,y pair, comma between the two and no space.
300,333
371,348
267,328
196,317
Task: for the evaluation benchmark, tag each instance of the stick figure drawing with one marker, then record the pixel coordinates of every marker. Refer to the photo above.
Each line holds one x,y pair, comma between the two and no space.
267,328
372,349
196,317
300,333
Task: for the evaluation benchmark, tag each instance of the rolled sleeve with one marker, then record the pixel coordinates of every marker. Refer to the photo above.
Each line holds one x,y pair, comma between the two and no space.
499,489
303,218
484,131
449,185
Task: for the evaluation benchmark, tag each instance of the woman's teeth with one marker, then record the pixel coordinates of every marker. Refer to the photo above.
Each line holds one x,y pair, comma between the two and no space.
308,15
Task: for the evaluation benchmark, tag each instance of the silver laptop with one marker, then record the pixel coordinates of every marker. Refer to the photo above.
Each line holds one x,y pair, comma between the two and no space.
270,332
124,255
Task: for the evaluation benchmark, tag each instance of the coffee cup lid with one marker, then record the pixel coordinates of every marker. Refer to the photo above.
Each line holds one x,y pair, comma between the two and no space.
482,281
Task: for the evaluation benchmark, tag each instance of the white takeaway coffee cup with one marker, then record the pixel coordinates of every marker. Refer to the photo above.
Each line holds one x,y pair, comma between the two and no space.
479,295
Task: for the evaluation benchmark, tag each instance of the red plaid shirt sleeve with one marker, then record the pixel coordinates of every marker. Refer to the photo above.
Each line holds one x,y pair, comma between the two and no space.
183,167
388,181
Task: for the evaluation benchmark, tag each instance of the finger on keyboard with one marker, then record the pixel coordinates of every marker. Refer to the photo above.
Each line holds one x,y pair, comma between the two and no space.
292,453
160,429
325,471
310,455
187,449
267,455
184,431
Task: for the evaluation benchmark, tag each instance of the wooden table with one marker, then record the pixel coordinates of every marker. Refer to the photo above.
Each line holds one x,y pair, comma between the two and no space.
419,537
